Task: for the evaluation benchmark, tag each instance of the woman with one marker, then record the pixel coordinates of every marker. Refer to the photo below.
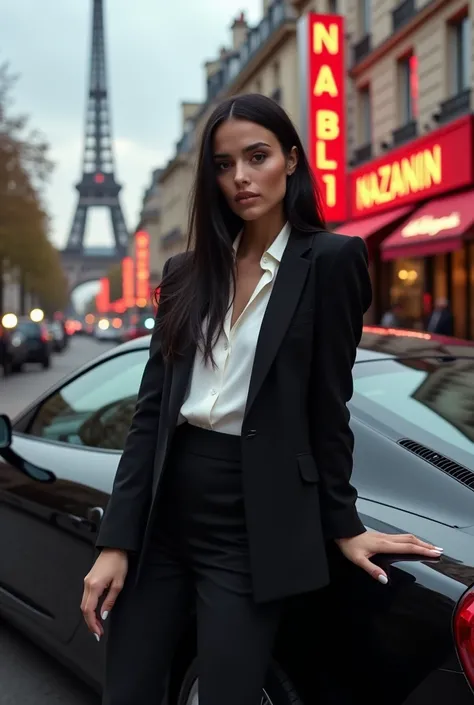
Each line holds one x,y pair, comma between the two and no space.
236,471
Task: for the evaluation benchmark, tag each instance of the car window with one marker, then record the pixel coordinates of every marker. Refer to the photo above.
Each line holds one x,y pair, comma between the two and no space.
30,329
96,408
433,396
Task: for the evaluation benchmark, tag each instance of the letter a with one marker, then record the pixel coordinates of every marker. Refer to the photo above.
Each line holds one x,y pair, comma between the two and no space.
325,82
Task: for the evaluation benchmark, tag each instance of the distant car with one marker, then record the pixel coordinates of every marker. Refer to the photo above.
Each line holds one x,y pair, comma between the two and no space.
143,326
38,341
58,336
410,642
108,329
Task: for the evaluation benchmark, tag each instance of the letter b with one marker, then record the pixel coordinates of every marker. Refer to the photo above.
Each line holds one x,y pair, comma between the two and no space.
327,125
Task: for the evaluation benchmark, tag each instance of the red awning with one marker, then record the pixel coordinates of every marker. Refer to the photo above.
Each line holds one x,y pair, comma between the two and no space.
365,227
438,226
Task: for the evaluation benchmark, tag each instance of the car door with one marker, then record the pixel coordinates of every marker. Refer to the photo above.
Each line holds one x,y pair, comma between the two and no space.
54,484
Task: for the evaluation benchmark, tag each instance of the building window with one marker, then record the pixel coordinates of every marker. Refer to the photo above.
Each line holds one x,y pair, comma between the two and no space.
460,55
408,88
365,116
332,7
365,17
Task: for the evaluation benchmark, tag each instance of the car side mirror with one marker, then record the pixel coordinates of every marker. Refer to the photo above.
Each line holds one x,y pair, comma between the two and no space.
5,432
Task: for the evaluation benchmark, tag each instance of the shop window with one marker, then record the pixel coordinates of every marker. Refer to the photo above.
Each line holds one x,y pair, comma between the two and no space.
440,277
459,292
407,290
470,248
460,55
408,88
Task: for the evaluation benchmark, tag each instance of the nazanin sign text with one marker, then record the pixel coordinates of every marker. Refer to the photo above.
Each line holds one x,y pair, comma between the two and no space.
437,163
326,137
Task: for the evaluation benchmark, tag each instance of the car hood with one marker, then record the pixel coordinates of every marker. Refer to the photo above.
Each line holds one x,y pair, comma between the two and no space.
387,473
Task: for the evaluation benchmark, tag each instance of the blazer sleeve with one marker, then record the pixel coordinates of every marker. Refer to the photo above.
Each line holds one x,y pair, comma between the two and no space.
346,296
124,519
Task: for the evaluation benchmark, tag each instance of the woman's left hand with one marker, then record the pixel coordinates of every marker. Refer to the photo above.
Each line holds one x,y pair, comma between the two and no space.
360,549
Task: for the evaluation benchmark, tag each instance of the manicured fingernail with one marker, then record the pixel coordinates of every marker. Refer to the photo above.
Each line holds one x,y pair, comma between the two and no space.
104,615
437,548
437,552
97,637
383,579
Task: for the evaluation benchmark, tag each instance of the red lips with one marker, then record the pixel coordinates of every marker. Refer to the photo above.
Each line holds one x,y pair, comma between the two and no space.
244,195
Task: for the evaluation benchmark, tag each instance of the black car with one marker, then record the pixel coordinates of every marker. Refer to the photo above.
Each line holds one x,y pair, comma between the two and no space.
356,641
13,351
38,341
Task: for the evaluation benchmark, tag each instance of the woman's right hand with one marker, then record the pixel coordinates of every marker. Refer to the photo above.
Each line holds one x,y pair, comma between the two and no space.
109,571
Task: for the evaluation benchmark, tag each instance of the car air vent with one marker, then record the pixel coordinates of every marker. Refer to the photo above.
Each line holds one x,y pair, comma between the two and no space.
459,472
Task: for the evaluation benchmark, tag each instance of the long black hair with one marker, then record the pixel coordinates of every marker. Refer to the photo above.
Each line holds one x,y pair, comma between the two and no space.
199,285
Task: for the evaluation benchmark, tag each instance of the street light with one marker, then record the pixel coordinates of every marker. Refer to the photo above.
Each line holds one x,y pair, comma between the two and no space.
9,320
37,315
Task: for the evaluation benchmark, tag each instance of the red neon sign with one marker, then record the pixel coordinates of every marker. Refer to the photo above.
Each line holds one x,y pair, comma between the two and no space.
326,117
142,267
439,162
128,282
102,300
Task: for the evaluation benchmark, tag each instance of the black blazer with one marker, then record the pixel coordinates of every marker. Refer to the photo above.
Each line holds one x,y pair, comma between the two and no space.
296,441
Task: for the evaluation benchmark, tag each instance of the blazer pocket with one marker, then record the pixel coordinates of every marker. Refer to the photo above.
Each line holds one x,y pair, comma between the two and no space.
308,468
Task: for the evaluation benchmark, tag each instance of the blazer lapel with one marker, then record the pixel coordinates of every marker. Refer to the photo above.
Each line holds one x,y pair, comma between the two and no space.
284,298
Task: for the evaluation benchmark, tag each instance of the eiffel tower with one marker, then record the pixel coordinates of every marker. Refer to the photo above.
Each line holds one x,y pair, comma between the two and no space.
98,186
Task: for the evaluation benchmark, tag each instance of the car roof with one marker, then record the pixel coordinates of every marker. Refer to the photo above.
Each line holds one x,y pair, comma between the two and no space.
378,343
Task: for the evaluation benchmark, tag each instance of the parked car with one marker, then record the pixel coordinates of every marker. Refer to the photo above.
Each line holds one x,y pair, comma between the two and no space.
13,350
410,642
38,341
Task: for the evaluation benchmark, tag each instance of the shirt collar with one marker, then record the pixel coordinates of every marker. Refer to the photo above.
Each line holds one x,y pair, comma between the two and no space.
277,248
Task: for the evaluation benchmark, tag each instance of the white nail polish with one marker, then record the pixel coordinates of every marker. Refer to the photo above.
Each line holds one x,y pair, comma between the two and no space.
97,637
104,615
436,551
383,579
437,548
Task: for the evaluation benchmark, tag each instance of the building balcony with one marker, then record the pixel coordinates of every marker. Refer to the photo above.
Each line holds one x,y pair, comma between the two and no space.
362,48
150,215
455,107
277,14
402,14
405,133
362,154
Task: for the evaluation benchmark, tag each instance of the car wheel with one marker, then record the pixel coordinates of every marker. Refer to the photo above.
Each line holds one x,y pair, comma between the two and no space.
278,690
46,363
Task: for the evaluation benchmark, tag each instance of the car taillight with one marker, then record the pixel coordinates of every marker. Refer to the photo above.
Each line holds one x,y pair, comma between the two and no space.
464,633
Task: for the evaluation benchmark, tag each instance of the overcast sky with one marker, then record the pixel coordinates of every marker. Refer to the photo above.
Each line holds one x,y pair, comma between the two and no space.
155,54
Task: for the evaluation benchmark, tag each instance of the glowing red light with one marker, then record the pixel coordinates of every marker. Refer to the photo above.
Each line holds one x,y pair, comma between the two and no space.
99,178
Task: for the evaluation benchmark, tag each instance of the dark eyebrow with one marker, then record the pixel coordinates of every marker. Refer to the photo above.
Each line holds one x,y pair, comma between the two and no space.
250,148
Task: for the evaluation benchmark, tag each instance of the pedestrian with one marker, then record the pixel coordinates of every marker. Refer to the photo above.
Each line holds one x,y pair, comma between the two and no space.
236,470
394,316
441,320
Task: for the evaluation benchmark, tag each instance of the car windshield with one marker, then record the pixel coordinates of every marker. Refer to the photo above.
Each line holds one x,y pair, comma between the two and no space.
424,398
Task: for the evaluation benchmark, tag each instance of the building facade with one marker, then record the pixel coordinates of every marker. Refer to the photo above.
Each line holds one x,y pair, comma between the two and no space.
408,139
410,176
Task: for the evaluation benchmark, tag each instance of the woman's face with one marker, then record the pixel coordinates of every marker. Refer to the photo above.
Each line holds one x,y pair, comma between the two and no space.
251,168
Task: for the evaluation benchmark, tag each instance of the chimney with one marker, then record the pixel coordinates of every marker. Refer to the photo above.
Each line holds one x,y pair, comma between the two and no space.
239,31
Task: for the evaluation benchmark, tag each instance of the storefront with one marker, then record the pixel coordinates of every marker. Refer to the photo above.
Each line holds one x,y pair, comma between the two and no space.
415,209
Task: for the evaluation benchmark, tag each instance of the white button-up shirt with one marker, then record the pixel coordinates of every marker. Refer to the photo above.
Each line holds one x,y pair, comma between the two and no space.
217,397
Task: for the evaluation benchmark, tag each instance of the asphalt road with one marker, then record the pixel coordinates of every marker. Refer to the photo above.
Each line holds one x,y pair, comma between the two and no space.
27,675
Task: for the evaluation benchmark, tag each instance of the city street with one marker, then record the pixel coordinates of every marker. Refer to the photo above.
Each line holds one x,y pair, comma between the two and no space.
27,675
